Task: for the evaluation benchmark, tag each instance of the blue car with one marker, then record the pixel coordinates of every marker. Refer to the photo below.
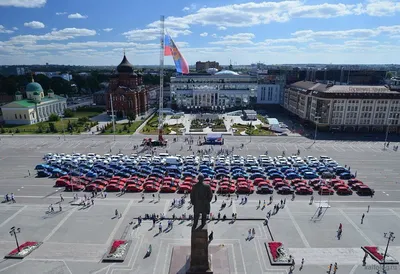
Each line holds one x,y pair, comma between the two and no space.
346,176
292,176
276,175
309,175
257,175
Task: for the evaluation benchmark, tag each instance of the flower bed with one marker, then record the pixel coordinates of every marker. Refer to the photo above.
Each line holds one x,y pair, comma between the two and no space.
118,251
376,254
25,249
277,254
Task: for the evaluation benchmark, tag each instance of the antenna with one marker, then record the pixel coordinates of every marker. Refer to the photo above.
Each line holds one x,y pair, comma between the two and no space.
161,96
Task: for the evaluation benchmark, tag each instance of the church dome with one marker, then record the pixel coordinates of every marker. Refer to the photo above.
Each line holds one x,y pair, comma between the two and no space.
125,66
34,87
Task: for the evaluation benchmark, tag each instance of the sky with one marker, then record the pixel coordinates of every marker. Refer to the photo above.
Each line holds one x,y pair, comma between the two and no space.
96,32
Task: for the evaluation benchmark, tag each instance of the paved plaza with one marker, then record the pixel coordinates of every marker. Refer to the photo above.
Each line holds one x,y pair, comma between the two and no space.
75,240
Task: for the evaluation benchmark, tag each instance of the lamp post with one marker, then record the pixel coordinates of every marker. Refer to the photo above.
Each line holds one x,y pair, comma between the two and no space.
390,237
112,113
13,232
316,127
396,116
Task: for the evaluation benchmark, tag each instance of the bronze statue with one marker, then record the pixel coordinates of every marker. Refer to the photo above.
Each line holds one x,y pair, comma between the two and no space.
200,197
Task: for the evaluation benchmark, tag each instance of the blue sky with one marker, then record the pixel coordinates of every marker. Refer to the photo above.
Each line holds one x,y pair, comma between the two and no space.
95,32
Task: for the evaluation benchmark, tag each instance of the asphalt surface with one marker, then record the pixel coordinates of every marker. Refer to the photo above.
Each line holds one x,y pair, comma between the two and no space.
76,239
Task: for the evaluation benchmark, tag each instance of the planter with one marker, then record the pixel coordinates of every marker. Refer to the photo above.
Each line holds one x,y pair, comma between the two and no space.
117,251
25,249
277,254
377,254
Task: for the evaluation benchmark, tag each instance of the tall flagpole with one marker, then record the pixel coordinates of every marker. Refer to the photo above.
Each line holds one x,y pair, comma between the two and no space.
161,96
112,113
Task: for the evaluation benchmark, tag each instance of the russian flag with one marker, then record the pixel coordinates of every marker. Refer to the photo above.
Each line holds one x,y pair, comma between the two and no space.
170,49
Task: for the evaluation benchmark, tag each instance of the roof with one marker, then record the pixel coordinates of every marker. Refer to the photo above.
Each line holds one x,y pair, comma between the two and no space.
230,72
33,86
125,66
273,121
250,112
30,103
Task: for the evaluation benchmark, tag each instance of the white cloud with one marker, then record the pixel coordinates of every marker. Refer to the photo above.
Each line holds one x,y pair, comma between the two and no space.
107,29
288,40
235,39
221,28
4,30
54,29
77,16
61,13
190,8
151,34
23,3
381,8
64,34
15,28
349,34
34,25
204,34
214,35
186,9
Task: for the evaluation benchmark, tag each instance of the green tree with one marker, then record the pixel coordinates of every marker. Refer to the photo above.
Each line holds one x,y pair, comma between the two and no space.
131,117
68,113
52,128
54,117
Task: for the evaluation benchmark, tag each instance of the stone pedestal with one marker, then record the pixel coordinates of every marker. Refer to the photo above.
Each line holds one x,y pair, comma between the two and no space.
200,261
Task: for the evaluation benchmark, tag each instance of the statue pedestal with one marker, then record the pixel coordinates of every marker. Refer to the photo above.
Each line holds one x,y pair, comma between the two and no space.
200,261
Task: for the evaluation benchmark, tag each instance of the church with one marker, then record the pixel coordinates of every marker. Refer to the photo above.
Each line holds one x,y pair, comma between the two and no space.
36,107
129,95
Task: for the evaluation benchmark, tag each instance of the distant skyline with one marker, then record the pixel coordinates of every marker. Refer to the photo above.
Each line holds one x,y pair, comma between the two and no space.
96,32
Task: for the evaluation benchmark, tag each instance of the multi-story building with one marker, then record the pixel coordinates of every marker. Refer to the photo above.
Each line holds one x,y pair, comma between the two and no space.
269,89
344,107
129,95
36,107
203,66
223,90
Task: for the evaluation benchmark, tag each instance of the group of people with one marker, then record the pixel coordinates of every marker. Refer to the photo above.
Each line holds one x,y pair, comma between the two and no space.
9,198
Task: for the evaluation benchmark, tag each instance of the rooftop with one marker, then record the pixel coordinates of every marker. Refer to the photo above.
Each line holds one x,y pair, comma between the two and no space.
331,88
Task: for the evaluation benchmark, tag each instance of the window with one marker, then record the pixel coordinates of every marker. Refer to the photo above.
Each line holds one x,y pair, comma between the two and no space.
20,116
16,117
25,116
270,95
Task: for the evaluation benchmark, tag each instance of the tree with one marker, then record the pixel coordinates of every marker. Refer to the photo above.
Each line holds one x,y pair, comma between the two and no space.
131,117
52,128
54,117
68,113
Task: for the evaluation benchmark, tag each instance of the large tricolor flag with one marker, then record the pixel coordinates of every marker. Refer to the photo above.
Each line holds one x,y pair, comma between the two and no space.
170,49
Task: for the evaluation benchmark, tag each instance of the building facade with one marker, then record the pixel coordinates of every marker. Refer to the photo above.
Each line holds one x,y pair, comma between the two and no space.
203,66
270,89
345,107
223,90
129,95
36,107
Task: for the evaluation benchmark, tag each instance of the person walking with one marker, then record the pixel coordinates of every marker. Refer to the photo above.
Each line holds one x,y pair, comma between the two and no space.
116,213
362,218
249,235
59,207
211,236
335,268
160,228
13,198
302,263
253,233
368,209
329,269
61,197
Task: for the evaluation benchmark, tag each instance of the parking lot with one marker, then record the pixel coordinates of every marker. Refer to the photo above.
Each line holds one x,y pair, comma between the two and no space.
76,239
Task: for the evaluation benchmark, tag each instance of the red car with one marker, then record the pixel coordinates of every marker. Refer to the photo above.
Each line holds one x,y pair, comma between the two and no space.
336,186
304,190
74,187
226,188
185,188
114,188
257,181
324,190
298,181
244,189
344,190
280,184
168,188
62,182
151,187
134,188
353,181
356,186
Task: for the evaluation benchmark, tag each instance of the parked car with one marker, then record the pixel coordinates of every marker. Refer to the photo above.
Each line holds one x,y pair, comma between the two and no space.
365,191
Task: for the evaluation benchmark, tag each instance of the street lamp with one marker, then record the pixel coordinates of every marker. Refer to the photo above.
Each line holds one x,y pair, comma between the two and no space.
13,232
316,127
390,237
396,116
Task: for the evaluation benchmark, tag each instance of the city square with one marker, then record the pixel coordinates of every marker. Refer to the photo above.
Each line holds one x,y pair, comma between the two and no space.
76,239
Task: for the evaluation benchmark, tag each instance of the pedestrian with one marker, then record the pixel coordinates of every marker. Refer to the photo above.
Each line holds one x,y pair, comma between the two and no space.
253,233
362,218
92,202
355,174
120,215
160,228
329,269
284,201
29,173
249,235
259,203
13,198
51,208
116,213
368,209
335,267
211,236
230,204
159,197
302,263
60,208
340,226
61,197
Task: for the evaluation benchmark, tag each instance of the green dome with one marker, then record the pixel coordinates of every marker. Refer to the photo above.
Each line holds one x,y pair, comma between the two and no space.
36,93
18,93
50,91
32,87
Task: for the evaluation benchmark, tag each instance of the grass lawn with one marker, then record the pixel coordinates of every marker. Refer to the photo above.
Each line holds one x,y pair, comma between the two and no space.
123,129
34,129
262,119
258,131
89,114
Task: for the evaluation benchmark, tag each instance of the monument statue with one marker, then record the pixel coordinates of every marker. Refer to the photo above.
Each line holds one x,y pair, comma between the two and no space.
200,197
